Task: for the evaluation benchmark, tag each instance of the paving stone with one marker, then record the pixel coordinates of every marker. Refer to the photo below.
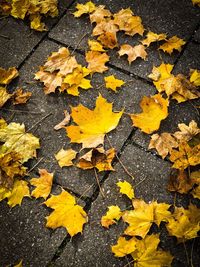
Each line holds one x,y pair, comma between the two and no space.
157,16
197,36
96,241
19,39
52,141
24,235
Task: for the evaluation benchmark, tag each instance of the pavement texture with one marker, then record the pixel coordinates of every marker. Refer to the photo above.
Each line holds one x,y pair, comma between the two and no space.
22,229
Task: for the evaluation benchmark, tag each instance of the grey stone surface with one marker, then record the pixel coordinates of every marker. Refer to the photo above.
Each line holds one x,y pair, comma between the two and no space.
172,17
17,40
197,36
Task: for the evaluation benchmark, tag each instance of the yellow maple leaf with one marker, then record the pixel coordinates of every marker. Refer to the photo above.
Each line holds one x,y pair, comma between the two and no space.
174,43
196,192
126,189
20,8
196,2
147,253
95,46
124,247
86,8
65,157
153,37
186,133
6,76
108,40
133,52
195,77
19,264
112,216
15,196
96,61
4,96
16,139
97,158
155,109
66,213
92,125
185,223
43,184
112,83
105,26
36,23
99,14
21,97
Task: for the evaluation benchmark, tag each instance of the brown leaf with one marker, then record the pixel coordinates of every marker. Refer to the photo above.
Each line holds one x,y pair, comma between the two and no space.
99,14
96,61
64,122
133,52
186,133
21,97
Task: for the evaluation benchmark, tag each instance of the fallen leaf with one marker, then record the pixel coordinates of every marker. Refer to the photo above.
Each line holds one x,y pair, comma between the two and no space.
174,43
97,158
21,97
64,122
195,77
65,157
112,83
36,23
155,109
112,216
99,14
95,46
19,264
43,184
6,76
105,26
96,61
66,213
153,37
126,189
108,40
196,2
86,8
4,96
179,182
186,133
124,247
133,52
92,125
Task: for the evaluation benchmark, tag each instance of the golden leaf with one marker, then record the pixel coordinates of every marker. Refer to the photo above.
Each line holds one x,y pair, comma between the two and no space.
19,264
20,8
4,96
112,83
92,125
196,2
174,43
153,37
66,213
43,184
65,157
64,122
124,247
112,216
99,14
36,23
186,133
15,196
96,61
95,46
97,158
108,40
163,143
6,76
105,26
155,109
21,97
133,52
195,77
86,8
126,189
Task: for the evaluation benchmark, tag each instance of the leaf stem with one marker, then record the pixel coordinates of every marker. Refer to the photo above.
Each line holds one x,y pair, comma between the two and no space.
37,163
97,179
42,119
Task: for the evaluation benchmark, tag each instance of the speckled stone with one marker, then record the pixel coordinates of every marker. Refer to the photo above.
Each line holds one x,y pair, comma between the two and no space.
197,36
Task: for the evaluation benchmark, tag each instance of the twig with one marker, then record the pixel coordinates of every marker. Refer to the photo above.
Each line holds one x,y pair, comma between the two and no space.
175,195
81,39
84,192
191,256
39,121
36,165
21,111
140,182
129,263
4,36
122,164
97,178
186,253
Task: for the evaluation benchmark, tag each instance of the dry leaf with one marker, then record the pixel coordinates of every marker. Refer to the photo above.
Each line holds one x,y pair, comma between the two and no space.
174,43
126,189
186,133
124,247
155,109
66,213
95,46
195,77
64,122
112,83
105,26
108,40
196,2
112,216
21,97
65,157
86,8
153,37
92,125
133,52
4,96
36,23
19,264
96,61
99,14
43,184
6,76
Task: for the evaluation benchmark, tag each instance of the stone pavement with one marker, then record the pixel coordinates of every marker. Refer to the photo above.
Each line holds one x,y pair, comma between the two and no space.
22,229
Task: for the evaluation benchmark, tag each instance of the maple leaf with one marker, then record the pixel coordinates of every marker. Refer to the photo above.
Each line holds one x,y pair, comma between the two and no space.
147,253
6,76
126,189
99,14
95,46
108,40
43,184
19,264
86,8
196,2
196,192
16,139
4,96
185,223
65,157
133,52
112,216
10,168
153,37
105,26
185,156
195,77
124,247
36,23
174,43
96,61
21,97
20,8
163,143
125,20
64,122
112,83
16,194
141,218
186,133
92,125
66,213
97,158
155,109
